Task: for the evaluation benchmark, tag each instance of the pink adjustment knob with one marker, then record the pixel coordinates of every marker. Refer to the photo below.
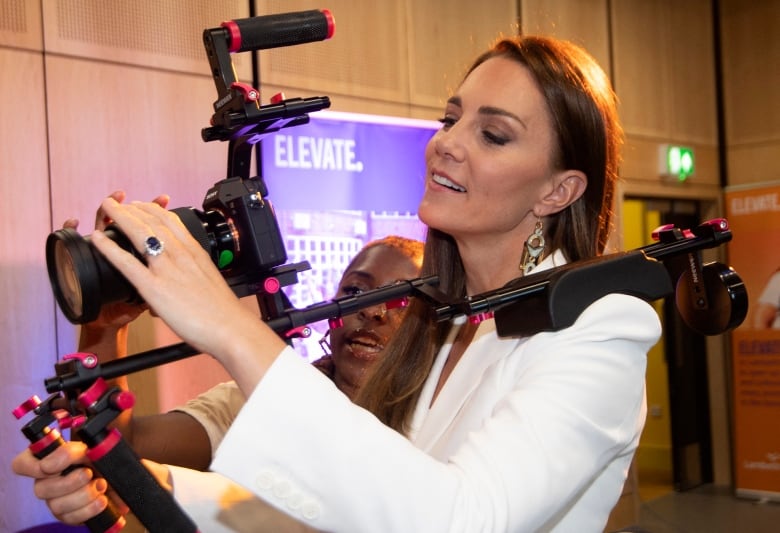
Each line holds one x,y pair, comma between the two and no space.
271,285
720,224
65,420
657,231
400,303
235,35
89,360
123,400
93,394
77,421
331,22
301,332
479,317
29,405
250,93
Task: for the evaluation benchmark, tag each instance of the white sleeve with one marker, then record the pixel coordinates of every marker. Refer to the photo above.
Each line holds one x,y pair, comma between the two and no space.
295,413
218,505
306,449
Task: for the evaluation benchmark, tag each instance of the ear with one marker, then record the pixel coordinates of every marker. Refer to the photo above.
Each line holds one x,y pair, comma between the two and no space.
567,188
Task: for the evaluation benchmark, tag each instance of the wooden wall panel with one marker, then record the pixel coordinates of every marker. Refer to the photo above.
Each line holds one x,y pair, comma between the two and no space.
20,24
584,22
27,319
664,75
394,58
751,77
165,35
750,34
115,126
753,163
691,90
663,69
640,71
366,57
445,38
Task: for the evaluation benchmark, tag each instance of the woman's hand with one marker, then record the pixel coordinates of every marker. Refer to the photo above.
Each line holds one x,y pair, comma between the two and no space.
113,316
184,287
72,498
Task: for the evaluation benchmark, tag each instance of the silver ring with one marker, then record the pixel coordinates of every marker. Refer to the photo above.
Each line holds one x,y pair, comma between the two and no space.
153,246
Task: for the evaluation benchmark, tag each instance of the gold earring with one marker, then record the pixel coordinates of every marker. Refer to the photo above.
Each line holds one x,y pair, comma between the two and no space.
532,249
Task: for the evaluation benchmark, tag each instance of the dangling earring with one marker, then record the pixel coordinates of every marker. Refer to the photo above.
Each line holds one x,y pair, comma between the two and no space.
324,343
532,249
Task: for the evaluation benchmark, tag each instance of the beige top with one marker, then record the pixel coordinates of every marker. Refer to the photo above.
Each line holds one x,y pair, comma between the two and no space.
215,410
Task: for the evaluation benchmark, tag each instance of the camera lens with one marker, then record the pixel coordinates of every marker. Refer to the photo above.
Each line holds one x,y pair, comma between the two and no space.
83,280
67,277
81,277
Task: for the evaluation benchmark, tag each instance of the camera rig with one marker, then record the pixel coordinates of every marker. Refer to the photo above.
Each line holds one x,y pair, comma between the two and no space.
710,297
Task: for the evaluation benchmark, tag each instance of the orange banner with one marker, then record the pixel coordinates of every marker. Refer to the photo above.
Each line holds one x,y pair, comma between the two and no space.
754,217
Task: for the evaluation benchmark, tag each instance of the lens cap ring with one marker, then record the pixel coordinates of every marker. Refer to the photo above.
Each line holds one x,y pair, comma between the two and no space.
88,280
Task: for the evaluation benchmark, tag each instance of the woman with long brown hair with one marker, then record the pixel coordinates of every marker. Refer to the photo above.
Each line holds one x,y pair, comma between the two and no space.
485,433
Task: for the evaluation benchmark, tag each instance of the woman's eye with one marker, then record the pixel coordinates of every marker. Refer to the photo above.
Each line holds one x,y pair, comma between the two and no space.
351,290
494,139
447,121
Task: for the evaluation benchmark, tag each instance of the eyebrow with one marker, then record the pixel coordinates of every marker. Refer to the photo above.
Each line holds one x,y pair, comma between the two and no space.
360,274
489,110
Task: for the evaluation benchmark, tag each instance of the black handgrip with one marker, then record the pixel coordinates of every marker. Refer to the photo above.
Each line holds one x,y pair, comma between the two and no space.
154,506
283,29
109,520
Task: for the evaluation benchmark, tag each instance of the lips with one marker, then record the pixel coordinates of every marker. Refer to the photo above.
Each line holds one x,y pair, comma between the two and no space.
446,182
364,344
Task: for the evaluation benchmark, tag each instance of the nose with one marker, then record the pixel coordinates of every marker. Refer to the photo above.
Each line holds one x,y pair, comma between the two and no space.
447,142
375,313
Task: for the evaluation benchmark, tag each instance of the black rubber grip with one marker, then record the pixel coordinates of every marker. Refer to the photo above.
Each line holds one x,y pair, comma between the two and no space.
109,519
285,29
151,504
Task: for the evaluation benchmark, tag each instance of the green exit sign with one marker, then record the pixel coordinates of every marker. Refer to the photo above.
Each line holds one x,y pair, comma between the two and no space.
676,162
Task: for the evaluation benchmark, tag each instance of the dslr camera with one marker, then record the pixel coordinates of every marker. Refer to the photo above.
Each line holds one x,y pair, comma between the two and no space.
237,227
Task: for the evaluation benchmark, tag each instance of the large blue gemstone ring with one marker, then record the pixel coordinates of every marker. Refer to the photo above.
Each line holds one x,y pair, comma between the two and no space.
153,246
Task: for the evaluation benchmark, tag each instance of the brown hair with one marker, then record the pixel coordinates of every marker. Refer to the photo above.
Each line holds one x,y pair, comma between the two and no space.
582,105
411,248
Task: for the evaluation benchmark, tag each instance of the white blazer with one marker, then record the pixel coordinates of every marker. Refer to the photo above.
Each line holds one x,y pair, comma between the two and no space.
528,434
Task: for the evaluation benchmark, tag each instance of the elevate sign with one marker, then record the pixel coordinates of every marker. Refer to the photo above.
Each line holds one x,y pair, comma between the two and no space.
345,161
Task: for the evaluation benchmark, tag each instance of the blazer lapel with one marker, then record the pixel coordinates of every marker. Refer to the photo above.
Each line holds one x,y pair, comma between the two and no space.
430,422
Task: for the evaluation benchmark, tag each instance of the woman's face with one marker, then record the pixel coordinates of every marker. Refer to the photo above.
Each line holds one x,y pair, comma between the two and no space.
358,343
490,163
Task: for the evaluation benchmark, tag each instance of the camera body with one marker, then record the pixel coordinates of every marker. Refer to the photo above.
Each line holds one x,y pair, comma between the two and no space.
237,227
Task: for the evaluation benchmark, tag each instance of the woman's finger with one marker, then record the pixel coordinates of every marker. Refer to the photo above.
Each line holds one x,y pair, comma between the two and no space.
101,218
71,223
80,504
80,515
162,200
